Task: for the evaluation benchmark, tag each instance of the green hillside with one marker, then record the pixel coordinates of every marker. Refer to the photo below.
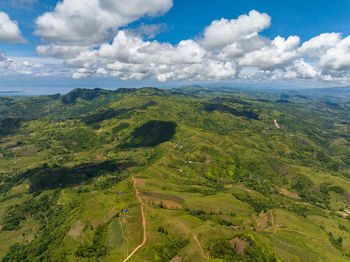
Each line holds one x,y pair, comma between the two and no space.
219,174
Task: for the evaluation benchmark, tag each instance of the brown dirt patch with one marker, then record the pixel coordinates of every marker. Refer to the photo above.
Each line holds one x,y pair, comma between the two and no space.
76,229
316,189
208,159
276,124
176,259
240,245
199,246
140,182
270,217
262,220
100,157
168,204
343,214
288,193
265,219
284,169
246,189
30,237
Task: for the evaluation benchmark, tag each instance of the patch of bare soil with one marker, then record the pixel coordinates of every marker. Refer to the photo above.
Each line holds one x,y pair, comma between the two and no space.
284,169
199,246
288,193
270,217
76,229
140,182
167,204
176,259
276,124
208,159
240,245
100,157
343,214
246,189
316,189
265,219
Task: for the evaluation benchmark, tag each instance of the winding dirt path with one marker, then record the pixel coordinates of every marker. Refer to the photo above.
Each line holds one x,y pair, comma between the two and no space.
124,236
276,124
143,223
200,247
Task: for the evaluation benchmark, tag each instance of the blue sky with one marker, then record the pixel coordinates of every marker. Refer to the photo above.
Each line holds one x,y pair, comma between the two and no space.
188,18
137,42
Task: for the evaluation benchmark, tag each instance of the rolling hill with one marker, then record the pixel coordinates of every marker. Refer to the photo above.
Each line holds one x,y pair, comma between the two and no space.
188,174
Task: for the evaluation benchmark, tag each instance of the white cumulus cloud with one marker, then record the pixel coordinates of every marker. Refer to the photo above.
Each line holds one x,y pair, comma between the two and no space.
278,54
94,21
223,32
92,38
9,31
60,51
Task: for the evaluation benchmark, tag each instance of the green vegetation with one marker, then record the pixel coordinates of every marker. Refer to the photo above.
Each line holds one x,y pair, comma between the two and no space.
97,248
218,180
244,248
152,133
9,125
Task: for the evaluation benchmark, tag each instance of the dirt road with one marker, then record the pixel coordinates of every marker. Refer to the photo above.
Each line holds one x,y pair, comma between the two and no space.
143,223
276,124
199,245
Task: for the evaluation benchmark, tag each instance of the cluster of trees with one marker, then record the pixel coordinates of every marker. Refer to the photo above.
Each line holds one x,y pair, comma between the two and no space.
254,251
47,177
110,113
201,214
152,133
248,113
168,248
105,115
230,99
259,203
40,208
120,127
9,125
86,94
336,242
306,190
47,244
80,139
97,248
